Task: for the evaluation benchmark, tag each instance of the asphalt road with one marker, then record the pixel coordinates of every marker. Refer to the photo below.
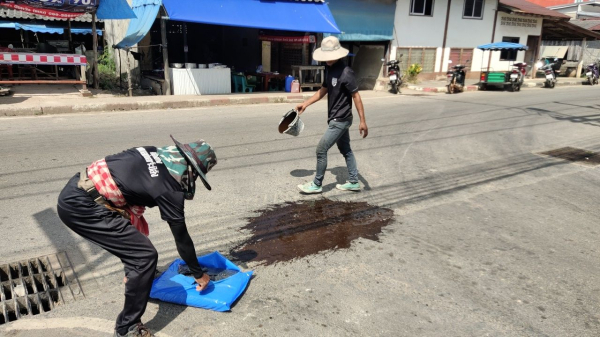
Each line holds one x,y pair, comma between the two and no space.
489,238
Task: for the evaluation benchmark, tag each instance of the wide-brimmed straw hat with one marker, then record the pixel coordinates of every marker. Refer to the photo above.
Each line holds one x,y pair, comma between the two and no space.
330,50
200,155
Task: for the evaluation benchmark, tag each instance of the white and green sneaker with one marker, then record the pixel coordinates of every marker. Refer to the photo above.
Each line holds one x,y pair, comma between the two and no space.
310,188
348,186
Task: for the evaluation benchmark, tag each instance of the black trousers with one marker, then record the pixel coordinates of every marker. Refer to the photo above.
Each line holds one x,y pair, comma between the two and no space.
115,234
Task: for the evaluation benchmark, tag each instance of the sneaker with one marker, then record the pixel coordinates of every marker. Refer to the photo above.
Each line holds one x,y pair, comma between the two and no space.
136,330
310,188
348,186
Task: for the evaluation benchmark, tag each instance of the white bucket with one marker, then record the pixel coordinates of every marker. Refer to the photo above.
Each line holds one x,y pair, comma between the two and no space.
291,123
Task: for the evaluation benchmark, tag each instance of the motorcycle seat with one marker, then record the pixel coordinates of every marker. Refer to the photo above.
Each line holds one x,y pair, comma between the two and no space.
519,64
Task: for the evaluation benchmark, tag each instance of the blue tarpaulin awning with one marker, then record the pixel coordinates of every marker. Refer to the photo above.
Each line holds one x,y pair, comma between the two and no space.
41,28
361,20
114,10
273,14
146,11
502,46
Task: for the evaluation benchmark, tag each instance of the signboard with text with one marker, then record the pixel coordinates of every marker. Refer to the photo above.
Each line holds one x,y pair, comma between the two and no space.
61,9
288,39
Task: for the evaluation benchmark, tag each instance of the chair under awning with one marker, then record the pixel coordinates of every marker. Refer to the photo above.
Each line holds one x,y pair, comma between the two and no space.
361,20
302,16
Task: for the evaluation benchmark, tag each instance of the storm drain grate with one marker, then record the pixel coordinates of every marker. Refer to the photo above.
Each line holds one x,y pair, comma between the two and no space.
575,155
37,285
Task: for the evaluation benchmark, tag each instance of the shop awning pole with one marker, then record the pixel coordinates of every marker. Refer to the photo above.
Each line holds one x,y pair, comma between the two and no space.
70,37
165,54
95,51
129,85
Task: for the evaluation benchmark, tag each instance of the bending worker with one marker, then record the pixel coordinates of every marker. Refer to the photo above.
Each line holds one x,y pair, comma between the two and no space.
105,204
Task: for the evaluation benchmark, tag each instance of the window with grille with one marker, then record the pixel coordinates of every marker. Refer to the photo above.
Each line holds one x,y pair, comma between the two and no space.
473,9
509,55
423,56
460,55
421,7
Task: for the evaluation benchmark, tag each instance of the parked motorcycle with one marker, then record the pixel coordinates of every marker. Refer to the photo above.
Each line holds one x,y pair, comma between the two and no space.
396,76
517,76
592,73
549,72
456,78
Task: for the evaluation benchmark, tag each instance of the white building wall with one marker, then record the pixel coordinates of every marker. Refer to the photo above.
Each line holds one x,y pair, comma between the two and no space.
419,31
509,28
428,31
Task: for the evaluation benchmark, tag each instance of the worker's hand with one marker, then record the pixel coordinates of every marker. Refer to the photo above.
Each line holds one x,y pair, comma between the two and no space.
363,129
202,282
300,108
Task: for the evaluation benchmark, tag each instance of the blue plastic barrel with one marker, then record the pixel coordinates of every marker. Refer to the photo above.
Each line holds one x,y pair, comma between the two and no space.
288,83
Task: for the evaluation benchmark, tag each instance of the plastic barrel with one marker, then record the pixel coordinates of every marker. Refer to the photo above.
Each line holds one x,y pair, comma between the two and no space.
288,83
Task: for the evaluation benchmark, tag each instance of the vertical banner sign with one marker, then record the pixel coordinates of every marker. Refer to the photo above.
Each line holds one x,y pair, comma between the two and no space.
61,9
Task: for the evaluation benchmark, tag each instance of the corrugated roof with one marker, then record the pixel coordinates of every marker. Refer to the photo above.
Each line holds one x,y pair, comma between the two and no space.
8,13
526,7
591,24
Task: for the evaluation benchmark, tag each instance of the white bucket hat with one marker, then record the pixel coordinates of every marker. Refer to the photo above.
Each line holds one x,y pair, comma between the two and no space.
330,50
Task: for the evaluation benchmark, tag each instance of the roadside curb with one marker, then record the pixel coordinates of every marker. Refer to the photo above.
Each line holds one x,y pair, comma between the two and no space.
150,105
475,88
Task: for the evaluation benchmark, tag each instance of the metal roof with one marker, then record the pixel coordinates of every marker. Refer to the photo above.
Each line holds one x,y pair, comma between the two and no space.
8,13
528,8
591,24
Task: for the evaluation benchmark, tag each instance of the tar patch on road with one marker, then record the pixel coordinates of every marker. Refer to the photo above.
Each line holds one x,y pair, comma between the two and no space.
298,229
575,155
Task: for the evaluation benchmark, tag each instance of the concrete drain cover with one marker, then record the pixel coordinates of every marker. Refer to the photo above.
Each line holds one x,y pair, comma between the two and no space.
575,155
37,285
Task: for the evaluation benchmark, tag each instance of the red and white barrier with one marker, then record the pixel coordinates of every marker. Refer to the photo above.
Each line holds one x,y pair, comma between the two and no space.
51,59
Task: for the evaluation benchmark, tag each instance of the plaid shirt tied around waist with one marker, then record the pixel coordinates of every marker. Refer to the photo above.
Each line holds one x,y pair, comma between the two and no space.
99,174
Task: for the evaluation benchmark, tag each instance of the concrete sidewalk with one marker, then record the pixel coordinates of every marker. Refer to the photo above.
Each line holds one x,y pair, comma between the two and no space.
472,85
32,100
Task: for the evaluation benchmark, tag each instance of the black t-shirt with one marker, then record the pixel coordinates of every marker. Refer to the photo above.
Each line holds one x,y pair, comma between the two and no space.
145,181
341,84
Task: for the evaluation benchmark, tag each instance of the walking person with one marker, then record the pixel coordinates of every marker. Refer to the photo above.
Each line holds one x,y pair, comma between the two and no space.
341,88
105,204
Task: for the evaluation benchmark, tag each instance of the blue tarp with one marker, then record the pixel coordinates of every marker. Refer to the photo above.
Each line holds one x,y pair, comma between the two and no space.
361,20
114,10
219,295
145,11
502,46
41,28
274,14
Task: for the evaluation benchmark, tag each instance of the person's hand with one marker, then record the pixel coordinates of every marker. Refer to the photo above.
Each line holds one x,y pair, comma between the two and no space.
300,108
202,282
364,130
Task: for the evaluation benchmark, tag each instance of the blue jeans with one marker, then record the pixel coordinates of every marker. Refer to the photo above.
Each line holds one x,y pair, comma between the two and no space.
337,133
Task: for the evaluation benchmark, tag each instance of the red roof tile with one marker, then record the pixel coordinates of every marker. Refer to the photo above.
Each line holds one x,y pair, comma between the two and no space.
527,7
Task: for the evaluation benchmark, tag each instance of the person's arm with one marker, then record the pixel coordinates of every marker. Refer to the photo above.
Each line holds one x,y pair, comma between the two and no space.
316,97
362,127
185,248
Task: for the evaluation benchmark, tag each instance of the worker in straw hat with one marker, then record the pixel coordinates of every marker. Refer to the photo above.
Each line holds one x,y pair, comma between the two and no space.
340,86
105,205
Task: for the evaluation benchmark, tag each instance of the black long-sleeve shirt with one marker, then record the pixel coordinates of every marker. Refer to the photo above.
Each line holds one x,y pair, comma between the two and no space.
145,181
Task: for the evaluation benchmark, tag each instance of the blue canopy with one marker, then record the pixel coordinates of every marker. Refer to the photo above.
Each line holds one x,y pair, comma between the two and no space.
275,14
361,20
42,28
502,46
114,9
145,11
